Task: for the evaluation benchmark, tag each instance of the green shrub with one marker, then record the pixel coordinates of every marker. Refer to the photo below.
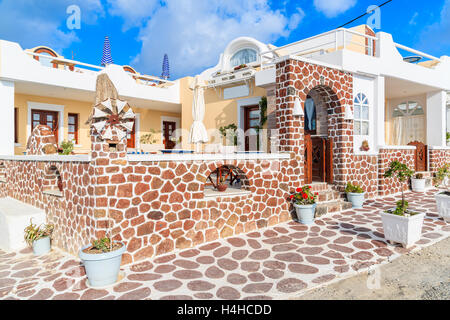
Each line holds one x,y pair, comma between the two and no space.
67,147
353,188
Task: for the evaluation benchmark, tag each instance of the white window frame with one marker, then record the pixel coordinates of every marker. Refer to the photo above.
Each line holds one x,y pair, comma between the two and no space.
360,119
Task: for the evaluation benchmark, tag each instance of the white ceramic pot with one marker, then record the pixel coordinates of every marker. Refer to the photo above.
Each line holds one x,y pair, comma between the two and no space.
443,205
418,185
404,230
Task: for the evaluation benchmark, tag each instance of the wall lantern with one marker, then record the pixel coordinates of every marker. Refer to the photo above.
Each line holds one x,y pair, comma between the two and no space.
298,110
348,113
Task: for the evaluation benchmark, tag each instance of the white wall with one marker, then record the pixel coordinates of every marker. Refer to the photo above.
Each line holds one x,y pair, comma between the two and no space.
366,85
7,117
436,118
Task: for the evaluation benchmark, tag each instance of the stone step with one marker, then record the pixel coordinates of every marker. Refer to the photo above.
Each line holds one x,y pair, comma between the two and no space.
332,207
328,195
319,186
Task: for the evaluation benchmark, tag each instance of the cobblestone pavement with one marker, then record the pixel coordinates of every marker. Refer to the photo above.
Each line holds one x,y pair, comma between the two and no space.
273,263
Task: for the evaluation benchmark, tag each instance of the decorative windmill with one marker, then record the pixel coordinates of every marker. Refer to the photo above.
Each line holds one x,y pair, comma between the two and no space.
113,119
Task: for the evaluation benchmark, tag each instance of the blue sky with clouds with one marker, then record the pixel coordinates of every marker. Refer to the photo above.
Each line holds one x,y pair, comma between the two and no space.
194,32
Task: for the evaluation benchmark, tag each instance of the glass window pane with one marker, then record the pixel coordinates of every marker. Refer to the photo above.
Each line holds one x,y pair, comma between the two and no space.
254,123
50,124
365,113
71,128
254,114
36,116
365,128
243,56
71,120
49,117
357,112
357,128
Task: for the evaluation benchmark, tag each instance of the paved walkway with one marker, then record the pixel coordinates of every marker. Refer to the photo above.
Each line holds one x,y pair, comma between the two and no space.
273,263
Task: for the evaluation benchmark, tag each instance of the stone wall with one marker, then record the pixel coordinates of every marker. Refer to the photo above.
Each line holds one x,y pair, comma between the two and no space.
387,186
438,158
71,211
364,172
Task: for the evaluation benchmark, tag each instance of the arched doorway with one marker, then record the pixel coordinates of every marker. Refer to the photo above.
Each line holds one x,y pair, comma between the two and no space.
318,144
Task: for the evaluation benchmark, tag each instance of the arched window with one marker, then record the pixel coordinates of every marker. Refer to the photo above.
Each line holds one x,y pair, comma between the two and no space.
361,115
409,123
243,56
46,62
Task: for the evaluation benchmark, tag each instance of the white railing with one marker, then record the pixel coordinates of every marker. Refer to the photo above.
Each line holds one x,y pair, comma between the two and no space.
77,66
416,52
326,42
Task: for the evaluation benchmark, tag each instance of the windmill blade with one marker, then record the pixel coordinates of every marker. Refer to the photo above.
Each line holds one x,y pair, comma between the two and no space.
128,125
129,115
120,105
107,134
99,113
99,126
121,134
107,104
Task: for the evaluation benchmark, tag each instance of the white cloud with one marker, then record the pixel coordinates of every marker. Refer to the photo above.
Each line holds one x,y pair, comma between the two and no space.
134,12
33,23
333,8
436,36
194,33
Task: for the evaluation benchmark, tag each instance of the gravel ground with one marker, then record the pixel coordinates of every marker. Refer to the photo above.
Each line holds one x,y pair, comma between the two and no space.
421,275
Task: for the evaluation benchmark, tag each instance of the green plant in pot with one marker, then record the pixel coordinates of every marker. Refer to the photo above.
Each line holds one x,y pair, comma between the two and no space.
401,224
38,237
355,194
66,148
102,259
443,197
305,204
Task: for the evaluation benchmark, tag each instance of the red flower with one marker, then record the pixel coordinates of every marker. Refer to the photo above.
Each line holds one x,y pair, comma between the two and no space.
316,193
305,196
299,190
292,196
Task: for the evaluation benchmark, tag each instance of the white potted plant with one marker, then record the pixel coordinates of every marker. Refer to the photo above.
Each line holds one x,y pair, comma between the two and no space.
400,224
418,183
102,259
38,238
443,197
355,194
305,204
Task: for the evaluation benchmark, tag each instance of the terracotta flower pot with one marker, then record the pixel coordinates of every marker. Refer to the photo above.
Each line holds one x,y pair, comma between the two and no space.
222,187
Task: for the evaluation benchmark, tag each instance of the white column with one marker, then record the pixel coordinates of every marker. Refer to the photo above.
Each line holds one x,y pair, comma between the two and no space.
380,101
7,117
435,115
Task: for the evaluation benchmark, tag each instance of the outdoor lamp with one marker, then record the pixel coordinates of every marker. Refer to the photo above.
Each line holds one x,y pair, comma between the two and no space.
298,110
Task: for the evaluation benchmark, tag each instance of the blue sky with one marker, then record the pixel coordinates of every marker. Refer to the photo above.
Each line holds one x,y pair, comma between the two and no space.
194,32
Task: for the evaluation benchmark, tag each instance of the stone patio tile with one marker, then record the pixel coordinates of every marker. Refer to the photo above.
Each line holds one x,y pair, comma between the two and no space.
272,263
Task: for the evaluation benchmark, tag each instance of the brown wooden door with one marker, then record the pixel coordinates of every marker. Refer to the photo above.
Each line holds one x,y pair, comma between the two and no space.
169,128
47,118
308,159
251,122
318,159
131,137
420,155
329,161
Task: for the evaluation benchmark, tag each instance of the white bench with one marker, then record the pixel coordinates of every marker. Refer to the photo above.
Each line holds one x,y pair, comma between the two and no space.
14,218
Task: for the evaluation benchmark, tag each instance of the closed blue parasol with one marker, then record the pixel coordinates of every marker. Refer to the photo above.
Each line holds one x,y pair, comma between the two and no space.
165,68
106,59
